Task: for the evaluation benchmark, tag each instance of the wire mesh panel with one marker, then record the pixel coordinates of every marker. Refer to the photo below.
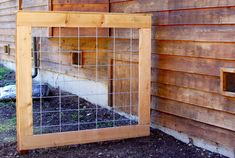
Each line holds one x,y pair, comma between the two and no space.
88,84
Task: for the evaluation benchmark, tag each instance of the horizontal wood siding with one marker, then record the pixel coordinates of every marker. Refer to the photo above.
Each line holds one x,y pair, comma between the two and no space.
81,6
192,40
8,9
7,28
86,45
35,5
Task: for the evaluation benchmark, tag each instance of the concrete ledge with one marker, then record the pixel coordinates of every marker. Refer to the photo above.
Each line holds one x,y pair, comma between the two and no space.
94,92
197,141
9,65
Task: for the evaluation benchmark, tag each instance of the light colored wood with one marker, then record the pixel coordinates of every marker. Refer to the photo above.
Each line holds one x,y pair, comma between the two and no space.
86,136
26,20
24,84
65,19
144,76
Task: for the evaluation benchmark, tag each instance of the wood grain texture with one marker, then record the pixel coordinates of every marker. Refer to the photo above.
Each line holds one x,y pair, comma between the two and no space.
65,19
7,28
86,136
197,33
192,41
136,6
216,50
24,85
203,66
144,76
196,97
187,80
195,129
212,117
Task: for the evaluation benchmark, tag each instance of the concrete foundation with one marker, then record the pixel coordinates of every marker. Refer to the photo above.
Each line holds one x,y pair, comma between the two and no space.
201,143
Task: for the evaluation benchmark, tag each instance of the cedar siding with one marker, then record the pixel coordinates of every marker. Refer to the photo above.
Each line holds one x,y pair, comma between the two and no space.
192,40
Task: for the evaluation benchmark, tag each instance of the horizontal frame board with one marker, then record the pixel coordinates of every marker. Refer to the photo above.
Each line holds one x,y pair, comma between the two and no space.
81,19
86,136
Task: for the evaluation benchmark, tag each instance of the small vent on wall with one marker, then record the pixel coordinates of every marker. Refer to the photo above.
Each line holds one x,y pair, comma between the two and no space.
77,58
7,49
227,81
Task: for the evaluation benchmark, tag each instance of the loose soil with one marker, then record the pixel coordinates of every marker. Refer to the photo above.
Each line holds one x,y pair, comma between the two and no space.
48,110
157,144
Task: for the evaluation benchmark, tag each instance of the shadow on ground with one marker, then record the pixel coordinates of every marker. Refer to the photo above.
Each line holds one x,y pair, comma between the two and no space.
157,144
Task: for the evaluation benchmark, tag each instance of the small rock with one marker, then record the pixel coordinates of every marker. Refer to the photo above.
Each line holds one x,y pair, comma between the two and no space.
89,114
8,93
99,154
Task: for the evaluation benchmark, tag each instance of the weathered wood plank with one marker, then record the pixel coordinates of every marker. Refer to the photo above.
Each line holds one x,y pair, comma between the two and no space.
81,7
197,49
136,6
204,115
195,97
190,65
206,16
187,80
196,129
215,33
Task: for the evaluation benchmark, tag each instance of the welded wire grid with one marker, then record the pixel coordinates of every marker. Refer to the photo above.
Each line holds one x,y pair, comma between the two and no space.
86,81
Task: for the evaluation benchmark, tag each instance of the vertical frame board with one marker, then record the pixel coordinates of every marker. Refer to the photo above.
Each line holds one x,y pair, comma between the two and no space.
24,84
20,2
144,76
28,19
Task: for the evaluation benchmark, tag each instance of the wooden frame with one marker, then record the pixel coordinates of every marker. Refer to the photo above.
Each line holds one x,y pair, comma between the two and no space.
28,19
20,2
223,81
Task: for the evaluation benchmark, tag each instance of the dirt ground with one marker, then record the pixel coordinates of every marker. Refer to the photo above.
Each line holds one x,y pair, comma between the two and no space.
157,144
72,116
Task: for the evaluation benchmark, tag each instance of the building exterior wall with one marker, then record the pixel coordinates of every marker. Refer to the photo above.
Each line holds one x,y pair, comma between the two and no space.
8,9
192,40
49,61
7,28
